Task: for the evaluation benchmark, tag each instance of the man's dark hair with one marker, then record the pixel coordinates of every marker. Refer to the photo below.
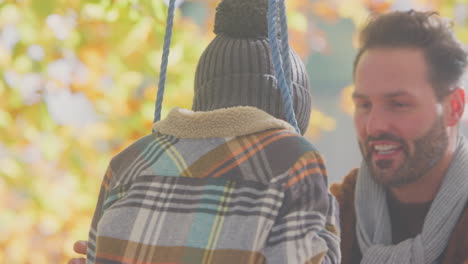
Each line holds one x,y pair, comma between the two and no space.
427,31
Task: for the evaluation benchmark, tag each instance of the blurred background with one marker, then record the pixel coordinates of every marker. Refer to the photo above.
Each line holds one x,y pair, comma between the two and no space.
78,83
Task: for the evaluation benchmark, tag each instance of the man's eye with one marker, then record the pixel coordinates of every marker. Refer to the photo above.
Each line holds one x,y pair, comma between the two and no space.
362,105
399,104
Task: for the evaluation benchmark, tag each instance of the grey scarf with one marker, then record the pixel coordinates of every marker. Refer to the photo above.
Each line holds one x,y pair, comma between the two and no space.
373,228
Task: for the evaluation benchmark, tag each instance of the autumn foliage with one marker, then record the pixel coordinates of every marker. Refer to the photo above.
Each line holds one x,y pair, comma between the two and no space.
77,85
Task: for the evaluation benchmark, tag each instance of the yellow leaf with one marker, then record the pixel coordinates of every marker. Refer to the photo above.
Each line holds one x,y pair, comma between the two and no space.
346,100
325,10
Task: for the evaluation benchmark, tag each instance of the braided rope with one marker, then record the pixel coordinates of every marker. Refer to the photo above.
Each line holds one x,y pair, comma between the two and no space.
278,63
285,56
164,61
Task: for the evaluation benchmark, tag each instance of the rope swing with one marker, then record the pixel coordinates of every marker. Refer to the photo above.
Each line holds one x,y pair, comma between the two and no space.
164,61
280,54
281,58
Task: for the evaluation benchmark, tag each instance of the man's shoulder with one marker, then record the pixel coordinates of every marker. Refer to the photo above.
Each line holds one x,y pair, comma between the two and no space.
456,248
344,191
463,223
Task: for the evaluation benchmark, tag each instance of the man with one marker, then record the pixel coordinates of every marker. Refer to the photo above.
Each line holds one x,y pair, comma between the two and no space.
408,202
230,182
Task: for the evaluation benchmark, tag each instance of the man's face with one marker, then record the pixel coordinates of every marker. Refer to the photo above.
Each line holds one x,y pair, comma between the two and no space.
399,122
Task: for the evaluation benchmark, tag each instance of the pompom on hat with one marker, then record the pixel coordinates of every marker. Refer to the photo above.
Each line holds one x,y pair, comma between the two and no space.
236,68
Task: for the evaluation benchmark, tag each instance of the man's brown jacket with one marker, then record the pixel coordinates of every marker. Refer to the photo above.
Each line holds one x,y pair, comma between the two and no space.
457,247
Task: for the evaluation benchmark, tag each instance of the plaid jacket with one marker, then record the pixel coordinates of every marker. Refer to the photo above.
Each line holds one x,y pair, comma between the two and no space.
227,186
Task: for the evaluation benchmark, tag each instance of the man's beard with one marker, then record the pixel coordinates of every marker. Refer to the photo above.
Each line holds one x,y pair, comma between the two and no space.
428,151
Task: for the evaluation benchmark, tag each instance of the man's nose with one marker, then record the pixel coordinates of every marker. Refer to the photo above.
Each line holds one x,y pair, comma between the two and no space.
377,122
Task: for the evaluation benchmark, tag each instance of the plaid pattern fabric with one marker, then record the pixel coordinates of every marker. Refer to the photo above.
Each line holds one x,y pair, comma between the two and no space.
259,198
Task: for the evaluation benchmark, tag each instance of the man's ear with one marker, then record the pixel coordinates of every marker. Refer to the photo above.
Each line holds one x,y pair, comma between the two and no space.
454,106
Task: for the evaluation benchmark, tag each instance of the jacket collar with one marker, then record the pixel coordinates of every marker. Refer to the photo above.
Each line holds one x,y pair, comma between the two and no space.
225,122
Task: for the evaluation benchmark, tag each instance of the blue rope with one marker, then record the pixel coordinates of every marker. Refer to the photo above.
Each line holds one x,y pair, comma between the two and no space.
278,63
164,61
285,56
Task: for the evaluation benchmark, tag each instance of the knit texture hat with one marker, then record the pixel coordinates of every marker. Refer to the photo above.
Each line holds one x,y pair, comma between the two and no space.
236,68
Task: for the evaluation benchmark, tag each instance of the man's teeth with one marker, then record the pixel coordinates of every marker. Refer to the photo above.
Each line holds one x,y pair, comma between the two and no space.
385,149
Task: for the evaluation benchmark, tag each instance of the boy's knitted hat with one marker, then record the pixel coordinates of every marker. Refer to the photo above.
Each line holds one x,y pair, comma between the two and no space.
236,68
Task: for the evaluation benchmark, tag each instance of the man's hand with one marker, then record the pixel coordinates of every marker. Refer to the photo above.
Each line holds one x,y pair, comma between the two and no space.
80,248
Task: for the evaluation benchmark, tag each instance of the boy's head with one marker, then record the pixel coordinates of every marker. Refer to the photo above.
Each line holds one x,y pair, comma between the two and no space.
236,68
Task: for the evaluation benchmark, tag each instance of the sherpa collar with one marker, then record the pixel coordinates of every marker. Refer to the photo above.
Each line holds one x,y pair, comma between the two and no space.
225,122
